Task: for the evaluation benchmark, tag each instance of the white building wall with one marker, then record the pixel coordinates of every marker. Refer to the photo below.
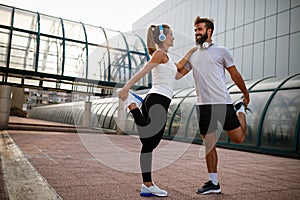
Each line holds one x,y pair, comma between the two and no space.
262,35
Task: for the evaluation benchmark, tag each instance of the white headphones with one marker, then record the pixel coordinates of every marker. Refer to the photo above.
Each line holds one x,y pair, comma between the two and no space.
205,45
161,36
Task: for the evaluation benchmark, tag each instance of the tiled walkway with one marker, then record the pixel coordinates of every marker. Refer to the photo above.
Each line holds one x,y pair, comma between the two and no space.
105,166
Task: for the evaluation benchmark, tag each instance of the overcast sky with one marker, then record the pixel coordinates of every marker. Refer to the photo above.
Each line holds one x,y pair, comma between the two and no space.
113,14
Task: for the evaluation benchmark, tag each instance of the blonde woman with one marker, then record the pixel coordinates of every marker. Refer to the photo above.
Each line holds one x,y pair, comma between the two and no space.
151,118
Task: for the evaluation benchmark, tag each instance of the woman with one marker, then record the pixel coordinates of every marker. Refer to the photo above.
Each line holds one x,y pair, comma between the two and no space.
151,119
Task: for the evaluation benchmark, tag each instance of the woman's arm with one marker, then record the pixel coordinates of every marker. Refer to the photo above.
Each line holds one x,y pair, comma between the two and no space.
157,58
181,70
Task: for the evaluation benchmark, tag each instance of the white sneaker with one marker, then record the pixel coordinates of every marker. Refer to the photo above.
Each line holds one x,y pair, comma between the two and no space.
240,106
135,99
152,191
132,98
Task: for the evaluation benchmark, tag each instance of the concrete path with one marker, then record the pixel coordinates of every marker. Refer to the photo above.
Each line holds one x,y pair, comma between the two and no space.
85,165
22,180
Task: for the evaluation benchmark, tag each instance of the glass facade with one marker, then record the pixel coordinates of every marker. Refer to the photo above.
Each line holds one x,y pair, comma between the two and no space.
262,35
42,51
272,127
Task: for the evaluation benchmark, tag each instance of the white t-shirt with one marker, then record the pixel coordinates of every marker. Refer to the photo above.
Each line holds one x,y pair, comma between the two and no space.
163,77
209,73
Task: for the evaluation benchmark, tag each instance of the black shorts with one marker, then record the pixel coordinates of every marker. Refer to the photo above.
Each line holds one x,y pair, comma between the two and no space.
209,115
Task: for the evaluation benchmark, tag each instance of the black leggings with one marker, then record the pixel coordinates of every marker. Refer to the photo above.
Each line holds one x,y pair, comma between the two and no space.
151,123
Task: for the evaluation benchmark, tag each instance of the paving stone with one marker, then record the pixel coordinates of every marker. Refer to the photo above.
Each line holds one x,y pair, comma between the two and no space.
75,170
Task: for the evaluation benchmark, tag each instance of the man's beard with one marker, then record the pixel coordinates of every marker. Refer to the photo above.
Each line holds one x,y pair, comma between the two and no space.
202,39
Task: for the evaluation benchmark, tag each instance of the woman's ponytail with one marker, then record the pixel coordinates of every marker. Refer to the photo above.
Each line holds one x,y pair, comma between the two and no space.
151,45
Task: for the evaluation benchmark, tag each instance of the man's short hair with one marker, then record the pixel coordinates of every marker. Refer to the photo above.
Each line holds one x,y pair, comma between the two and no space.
209,23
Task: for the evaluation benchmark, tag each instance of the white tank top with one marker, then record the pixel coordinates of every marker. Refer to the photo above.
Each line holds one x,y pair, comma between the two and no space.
163,77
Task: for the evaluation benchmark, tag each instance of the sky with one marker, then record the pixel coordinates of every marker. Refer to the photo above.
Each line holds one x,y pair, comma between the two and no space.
113,14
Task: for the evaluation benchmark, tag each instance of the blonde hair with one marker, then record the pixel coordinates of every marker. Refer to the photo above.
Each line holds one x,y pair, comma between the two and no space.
153,43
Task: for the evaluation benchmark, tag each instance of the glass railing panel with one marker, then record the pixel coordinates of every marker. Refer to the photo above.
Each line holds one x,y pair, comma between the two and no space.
174,114
94,116
104,114
119,68
185,92
74,31
109,115
4,39
134,43
50,55
268,84
23,51
99,112
115,39
113,123
192,123
257,103
95,35
292,83
130,126
78,113
247,83
5,13
189,123
281,119
51,26
137,62
75,60
98,62
25,20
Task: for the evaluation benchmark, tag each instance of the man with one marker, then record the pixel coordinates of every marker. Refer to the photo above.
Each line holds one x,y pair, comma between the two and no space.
213,100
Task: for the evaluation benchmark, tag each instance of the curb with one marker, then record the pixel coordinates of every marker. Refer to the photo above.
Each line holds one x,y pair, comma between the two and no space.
21,179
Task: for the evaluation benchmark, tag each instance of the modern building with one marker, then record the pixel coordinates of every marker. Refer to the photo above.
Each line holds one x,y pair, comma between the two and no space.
262,35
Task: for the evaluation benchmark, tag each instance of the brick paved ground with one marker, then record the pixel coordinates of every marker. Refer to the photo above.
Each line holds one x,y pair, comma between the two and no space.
71,164
3,194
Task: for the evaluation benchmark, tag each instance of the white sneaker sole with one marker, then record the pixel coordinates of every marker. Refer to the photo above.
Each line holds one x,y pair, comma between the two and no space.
211,192
143,194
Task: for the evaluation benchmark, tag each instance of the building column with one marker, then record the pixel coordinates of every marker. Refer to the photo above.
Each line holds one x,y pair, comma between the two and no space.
5,102
121,118
17,98
87,114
